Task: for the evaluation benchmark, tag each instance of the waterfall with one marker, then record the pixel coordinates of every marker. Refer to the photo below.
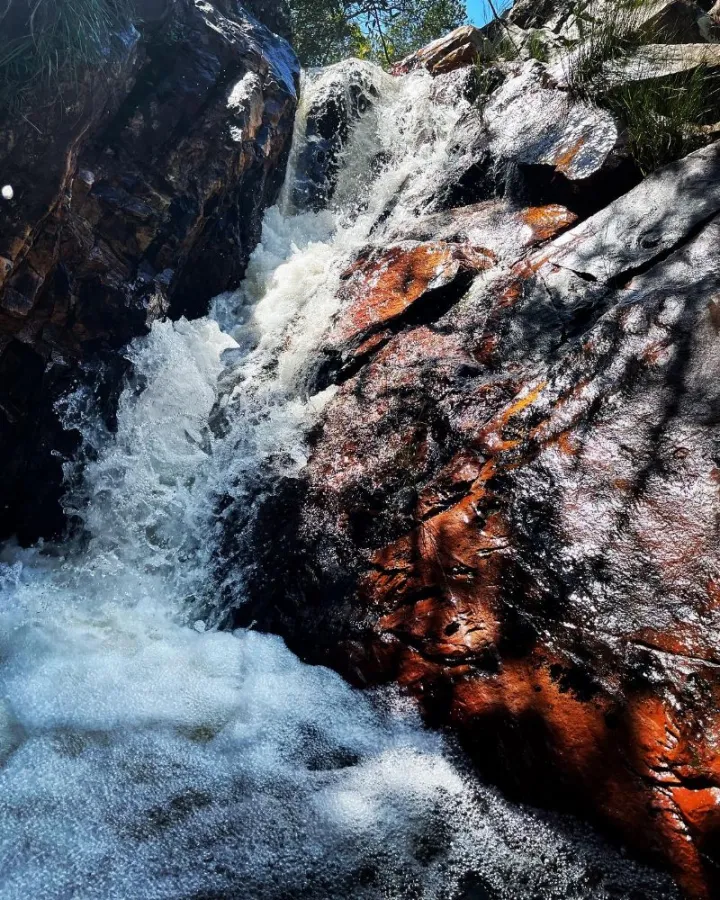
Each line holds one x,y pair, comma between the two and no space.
146,754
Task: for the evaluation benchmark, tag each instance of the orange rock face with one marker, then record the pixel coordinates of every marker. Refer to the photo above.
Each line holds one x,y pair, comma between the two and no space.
644,757
512,511
382,290
408,282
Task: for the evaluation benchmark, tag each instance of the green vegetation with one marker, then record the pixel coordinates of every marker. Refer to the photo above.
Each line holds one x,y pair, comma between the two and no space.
604,40
486,75
327,31
537,47
49,41
663,116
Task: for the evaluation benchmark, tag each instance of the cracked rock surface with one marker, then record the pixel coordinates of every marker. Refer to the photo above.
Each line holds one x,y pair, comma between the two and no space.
511,506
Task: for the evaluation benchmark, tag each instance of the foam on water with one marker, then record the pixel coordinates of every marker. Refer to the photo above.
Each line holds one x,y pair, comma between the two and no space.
145,755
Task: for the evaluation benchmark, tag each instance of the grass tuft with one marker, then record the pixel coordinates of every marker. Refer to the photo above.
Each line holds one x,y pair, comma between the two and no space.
537,47
604,38
663,116
50,41
664,119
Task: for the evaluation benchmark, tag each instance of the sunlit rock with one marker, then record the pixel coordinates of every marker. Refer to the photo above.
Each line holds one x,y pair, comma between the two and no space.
461,47
532,123
457,430
510,509
654,62
497,226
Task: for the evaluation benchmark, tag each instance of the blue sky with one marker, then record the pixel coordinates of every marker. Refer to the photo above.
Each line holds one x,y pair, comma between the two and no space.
479,10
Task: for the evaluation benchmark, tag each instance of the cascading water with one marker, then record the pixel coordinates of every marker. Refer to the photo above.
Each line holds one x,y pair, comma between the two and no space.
144,754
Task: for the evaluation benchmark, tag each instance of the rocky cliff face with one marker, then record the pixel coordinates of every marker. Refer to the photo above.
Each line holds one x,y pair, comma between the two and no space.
511,507
135,188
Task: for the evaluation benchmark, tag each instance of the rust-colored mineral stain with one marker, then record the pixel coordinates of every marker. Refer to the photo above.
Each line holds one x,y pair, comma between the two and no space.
511,294
700,807
657,353
565,160
713,592
714,310
528,268
491,437
567,443
486,349
548,221
372,343
622,759
443,628
382,289
460,473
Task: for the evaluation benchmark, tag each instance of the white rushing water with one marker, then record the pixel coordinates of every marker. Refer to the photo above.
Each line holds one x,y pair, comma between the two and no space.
145,755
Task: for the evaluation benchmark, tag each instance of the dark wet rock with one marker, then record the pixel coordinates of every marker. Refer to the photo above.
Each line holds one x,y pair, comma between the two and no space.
275,14
472,173
346,96
137,188
511,510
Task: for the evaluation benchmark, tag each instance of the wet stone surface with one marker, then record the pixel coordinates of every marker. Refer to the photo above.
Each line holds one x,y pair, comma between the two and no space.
510,509
141,194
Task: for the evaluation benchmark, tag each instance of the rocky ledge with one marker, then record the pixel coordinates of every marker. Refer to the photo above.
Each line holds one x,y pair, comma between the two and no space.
511,507
135,188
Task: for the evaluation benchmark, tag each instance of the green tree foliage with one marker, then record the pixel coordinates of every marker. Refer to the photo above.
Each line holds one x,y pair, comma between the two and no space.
386,30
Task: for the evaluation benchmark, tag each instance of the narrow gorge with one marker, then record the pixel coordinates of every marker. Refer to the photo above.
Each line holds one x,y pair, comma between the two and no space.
360,444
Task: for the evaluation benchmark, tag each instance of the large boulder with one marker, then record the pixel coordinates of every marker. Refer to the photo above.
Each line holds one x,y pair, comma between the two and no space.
511,507
461,47
136,186
657,62
533,123
666,21
532,141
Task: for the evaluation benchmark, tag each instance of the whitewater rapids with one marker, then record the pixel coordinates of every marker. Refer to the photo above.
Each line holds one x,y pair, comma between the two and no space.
145,755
